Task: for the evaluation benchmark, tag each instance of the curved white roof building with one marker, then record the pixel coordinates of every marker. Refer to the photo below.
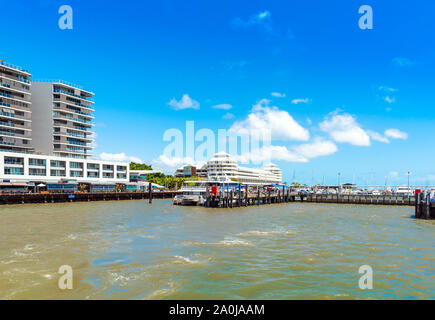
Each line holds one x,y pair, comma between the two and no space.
223,165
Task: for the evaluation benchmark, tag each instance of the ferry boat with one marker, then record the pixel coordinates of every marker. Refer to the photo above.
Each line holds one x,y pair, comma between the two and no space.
194,193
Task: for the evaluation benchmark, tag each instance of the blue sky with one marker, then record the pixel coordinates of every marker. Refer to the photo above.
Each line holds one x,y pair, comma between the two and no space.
346,87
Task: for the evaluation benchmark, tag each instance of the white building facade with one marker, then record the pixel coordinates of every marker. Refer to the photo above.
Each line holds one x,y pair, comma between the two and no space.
20,167
223,165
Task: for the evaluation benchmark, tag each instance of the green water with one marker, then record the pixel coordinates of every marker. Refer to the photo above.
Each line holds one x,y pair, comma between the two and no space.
134,250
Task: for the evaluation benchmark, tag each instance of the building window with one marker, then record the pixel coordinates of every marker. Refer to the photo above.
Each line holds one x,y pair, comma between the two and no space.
57,164
93,166
37,162
76,165
37,172
107,167
93,175
13,160
76,174
14,171
57,173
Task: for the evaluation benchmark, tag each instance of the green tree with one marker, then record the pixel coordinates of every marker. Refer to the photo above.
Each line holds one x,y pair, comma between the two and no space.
139,166
170,181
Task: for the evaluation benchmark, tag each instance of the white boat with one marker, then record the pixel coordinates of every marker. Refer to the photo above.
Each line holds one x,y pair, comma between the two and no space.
404,191
194,193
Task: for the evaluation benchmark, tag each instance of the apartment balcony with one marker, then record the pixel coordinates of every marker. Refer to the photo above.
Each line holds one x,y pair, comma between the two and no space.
66,128
15,144
71,143
14,106
74,103
71,119
15,134
60,107
25,126
10,96
71,94
14,76
69,149
64,135
14,87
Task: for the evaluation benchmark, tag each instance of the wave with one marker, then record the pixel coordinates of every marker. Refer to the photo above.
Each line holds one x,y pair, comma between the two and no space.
170,289
265,233
224,242
181,259
234,242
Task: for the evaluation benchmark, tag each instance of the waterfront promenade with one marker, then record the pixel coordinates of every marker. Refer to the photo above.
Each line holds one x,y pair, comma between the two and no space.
22,198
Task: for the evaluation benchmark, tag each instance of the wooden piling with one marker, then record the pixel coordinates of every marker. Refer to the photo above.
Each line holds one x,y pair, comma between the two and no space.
427,207
246,195
417,205
240,195
150,192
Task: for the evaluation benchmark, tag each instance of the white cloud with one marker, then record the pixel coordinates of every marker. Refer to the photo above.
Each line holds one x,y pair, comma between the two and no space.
387,89
389,99
344,128
377,136
258,18
298,101
278,95
402,62
224,106
270,153
185,103
300,153
261,20
122,157
169,165
396,134
316,149
389,133
264,119
228,116
263,15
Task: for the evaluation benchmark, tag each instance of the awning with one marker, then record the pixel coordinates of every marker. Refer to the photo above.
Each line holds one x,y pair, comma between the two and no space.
13,184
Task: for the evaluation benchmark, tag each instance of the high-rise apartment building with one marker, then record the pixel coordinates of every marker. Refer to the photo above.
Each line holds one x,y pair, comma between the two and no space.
61,119
15,109
45,133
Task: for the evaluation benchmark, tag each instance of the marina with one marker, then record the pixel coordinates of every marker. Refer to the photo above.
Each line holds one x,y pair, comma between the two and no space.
229,194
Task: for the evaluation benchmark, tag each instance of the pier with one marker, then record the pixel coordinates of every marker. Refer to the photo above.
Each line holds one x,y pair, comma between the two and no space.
424,207
82,197
238,198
